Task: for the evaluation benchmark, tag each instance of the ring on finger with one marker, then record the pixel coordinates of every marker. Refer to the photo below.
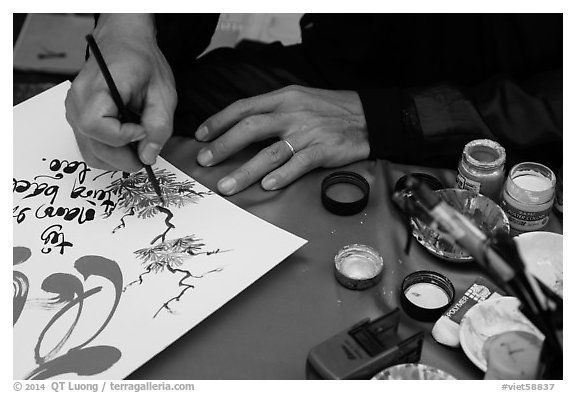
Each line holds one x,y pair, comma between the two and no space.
292,150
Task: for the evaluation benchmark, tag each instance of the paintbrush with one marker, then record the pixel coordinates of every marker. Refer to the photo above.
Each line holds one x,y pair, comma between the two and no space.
126,115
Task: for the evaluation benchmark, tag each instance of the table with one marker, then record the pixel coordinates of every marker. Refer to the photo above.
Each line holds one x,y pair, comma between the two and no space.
267,330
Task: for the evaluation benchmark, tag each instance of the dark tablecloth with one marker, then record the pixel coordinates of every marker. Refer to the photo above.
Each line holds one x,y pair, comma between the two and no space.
267,330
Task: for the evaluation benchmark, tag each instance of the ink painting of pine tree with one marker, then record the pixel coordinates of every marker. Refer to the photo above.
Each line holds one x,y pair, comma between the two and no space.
136,191
170,256
137,197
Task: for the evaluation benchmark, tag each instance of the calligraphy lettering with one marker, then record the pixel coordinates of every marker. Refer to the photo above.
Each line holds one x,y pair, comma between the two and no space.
104,196
53,238
21,216
22,186
68,214
69,167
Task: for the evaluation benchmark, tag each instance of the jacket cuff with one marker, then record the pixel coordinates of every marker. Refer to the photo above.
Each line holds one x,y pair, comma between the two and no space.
385,118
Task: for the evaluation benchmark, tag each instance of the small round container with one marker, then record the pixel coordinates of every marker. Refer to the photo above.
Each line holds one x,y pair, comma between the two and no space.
481,168
528,196
426,295
358,266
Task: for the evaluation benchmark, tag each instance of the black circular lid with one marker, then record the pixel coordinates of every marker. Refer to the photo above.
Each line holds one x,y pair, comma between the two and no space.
348,207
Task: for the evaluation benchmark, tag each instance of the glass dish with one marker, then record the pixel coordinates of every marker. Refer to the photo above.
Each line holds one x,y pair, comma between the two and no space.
484,212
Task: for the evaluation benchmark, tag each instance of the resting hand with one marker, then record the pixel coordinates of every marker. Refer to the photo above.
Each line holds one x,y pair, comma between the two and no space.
325,128
146,84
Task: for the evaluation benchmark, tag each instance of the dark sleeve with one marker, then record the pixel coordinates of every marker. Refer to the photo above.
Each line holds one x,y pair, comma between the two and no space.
389,116
183,37
430,125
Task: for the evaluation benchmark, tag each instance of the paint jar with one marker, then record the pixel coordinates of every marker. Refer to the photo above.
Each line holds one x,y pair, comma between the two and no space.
481,168
358,266
528,196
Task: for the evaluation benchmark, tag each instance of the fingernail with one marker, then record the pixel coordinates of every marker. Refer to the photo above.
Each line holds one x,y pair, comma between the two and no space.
205,157
202,133
269,183
138,137
227,185
149,153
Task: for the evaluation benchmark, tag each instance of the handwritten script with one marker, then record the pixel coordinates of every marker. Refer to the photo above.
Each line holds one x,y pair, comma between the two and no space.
41,198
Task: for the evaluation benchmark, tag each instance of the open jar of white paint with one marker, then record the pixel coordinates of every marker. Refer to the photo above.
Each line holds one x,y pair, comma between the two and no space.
528,196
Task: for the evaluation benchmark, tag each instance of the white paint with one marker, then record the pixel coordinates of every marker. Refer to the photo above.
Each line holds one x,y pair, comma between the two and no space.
358,267
427,295
533,182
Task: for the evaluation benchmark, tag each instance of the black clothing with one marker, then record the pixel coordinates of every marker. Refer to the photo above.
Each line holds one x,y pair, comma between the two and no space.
428,83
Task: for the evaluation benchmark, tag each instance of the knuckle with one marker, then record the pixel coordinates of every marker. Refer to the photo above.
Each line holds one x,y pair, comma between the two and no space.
282,177
293,88
292,95
125,87
86,123
78,87
120,137
308,159
243,175
241,106
158,127
218,147
338,140
294,92
255,122
274,154
303,160
308,122
247,123
317,156
211,122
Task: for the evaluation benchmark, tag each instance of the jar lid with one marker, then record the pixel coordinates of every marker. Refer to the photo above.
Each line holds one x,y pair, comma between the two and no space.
358,266
345,207
426,295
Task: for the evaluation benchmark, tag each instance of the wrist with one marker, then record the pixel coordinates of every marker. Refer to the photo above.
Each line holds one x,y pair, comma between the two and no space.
119,26
362,126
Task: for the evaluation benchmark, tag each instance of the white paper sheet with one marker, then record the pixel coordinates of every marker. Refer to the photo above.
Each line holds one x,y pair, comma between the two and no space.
103,278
